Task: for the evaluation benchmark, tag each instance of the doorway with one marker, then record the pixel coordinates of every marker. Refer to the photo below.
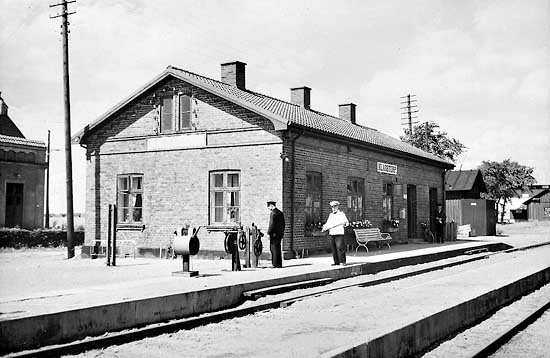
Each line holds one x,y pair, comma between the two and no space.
433,207
14,205
411,211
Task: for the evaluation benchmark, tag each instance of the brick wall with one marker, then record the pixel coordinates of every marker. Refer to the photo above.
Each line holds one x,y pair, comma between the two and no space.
176,179
32,178
337,162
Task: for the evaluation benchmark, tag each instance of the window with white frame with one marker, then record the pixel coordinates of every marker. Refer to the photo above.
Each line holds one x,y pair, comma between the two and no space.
167,115
356,192
225,197
184,115
314,187
175,113
387,200
130,198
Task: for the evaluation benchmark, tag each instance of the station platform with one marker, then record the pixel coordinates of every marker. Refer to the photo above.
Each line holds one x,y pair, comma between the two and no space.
139,292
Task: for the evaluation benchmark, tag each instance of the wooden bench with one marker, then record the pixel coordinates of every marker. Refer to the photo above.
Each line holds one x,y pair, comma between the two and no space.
364,236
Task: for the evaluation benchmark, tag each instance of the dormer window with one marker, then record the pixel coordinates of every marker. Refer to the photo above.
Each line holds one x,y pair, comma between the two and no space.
175,113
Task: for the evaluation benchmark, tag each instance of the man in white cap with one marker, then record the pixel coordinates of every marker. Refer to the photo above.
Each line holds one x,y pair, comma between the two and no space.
335,224
275,231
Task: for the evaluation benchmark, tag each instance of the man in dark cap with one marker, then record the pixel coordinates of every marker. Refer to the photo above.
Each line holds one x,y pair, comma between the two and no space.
275,231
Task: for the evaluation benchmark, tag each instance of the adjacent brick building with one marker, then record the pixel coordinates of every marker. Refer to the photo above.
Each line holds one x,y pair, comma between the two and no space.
187,149
22,166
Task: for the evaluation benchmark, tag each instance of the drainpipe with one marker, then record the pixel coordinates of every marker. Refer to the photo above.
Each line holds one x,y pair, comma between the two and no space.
444,203
293,179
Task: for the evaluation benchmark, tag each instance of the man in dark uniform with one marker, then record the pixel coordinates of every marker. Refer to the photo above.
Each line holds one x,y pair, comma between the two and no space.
440,219
276,231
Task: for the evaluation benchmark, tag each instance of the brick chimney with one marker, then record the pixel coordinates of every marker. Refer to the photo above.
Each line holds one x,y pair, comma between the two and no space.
3,106
347,112
301,96
234,74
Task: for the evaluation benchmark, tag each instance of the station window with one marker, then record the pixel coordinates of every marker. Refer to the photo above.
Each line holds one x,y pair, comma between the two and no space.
313,201
184,119
387,200
167,115
175,113
225,197
130,198
356,192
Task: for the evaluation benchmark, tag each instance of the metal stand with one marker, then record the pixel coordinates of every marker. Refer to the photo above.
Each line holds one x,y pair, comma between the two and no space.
235,261
248,248
186,245
232,247
185,271
111,236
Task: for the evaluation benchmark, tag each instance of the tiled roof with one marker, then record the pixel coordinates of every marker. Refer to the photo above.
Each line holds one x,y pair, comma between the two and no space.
311,119
21,141
281,114
459,180
540,194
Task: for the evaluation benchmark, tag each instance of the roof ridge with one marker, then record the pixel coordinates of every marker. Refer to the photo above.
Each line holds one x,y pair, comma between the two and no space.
259,94
21,140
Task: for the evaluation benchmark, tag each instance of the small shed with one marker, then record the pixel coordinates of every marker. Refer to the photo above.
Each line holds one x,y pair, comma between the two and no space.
480,214
464,184
464,205
538,206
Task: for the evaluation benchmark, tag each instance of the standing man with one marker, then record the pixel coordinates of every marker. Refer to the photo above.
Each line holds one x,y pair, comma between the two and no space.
440,219
335,224
275,231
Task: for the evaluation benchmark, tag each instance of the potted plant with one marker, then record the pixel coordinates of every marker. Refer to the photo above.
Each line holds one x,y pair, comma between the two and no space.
391,225
314,229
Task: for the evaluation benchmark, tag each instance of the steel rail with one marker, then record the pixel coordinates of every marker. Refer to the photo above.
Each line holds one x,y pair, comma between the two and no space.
503,338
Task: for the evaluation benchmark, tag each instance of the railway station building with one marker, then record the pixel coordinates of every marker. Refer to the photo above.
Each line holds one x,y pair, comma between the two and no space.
22,169
186,149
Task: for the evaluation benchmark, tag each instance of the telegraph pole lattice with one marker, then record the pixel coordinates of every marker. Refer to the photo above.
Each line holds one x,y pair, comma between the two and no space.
67,101
409,110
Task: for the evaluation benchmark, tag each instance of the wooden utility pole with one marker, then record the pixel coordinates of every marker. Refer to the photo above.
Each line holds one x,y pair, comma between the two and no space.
47,222
409,110
67,101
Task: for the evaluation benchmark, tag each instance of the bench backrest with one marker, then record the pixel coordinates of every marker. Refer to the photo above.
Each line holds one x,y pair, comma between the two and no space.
367,234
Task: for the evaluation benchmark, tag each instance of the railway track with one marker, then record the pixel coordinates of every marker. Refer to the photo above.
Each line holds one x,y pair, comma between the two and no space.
491,347
240,311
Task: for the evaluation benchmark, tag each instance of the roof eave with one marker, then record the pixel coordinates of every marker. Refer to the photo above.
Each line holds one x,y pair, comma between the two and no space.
378,148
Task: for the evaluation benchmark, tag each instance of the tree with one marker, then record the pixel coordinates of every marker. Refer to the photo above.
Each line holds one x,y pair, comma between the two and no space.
503,180
438,142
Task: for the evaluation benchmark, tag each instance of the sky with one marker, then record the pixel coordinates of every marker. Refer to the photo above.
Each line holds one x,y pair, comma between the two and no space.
480,69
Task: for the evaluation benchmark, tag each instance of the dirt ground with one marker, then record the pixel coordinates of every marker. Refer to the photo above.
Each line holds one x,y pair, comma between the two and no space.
32,272
315,327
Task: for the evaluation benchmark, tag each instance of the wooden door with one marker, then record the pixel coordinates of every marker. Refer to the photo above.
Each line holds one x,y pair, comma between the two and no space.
411,211
433,207
14,204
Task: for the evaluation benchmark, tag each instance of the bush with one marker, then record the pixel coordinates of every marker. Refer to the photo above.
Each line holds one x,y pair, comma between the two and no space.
20,238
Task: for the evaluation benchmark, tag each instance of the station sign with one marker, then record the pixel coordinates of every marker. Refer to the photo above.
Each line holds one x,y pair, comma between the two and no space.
386,168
